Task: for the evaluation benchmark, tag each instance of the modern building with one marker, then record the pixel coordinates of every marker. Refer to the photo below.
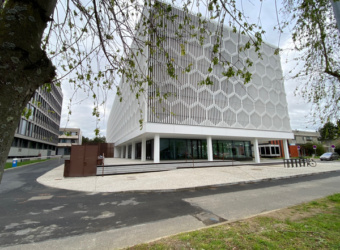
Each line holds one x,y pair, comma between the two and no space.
38,135
67,138
226,120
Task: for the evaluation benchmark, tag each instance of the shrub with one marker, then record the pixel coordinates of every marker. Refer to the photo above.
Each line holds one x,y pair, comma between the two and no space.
309,148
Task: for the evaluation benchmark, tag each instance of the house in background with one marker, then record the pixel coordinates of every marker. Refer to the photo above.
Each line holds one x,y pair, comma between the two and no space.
300,138
303,137
67,138
215,122
37,135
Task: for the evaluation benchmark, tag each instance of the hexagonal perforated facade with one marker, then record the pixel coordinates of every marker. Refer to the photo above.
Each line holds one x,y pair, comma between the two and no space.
260,104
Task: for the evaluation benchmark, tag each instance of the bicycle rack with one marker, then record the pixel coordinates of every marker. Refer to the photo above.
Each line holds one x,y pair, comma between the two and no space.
298,162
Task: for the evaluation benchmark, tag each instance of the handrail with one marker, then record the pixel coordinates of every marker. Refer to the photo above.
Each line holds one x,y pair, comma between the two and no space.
193,162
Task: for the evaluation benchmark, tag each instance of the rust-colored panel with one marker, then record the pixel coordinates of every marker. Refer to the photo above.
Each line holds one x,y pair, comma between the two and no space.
77,160
90,160
294,152
67,168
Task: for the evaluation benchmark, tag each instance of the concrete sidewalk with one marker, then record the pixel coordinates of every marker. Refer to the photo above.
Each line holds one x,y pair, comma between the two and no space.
180,179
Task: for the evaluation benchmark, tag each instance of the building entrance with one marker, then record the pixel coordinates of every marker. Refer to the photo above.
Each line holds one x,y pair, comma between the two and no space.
181,149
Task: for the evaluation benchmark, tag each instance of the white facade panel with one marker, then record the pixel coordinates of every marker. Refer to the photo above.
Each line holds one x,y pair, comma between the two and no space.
228,108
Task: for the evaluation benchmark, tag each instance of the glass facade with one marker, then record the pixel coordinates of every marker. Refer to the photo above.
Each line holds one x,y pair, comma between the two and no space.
231,150
181,149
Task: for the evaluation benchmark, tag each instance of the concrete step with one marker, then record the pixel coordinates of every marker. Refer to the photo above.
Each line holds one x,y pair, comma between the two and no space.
141,168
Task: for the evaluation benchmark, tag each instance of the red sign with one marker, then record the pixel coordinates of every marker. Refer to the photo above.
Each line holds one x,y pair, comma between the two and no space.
314,146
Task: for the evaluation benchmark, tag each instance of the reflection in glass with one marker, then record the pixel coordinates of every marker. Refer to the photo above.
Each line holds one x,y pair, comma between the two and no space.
231,149
181,149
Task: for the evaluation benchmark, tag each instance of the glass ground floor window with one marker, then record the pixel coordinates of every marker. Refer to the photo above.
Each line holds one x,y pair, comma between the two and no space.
231,149
181,149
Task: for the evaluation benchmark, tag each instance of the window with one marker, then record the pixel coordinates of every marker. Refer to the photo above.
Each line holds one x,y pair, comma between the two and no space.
277,150
267,150
23,126
24,144
263,151
273,150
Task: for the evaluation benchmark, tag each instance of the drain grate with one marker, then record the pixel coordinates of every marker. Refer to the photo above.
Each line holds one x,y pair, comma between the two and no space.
209,218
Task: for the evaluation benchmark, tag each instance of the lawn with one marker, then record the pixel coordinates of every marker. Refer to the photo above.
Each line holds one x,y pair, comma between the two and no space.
9,164
314,225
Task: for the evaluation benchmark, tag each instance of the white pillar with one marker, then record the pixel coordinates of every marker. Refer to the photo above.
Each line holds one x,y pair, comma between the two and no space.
126,151
156,149
285,148
256,151
143,157
122,152
116,152
133,151
210,149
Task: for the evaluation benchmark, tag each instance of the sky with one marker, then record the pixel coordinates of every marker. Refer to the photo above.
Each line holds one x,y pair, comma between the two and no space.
82,118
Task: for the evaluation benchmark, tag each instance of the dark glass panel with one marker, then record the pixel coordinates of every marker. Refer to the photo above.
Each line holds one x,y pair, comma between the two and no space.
238,149
194,149
181,149
214,149
247,149
164,146
204,150
277,150
273,150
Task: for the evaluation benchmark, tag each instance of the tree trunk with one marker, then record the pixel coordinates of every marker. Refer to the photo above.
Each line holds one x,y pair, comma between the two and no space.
24,66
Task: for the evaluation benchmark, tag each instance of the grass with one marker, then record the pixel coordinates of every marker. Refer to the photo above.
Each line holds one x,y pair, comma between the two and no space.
313,225
9,164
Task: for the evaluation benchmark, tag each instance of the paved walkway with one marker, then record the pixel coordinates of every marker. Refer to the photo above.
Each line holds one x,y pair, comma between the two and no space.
123,161
180,179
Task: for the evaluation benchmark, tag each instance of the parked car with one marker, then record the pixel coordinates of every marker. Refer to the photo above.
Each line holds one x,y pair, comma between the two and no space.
329,156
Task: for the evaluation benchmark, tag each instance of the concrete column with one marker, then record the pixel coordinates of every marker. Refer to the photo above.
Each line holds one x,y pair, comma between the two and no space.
121,151
156,149
126,151
143,158
133,151
285,148
210,149
116,152
256,151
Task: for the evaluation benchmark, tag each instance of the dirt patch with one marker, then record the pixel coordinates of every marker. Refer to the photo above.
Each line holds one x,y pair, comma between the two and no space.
291,214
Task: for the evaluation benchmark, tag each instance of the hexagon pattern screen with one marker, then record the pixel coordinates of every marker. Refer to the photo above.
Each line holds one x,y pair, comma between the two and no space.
260,104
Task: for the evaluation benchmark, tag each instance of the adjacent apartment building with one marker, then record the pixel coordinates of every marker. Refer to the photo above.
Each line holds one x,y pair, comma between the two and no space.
226,120
38,135
67,138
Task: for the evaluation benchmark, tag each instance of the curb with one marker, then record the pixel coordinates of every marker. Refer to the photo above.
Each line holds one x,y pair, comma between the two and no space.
223,184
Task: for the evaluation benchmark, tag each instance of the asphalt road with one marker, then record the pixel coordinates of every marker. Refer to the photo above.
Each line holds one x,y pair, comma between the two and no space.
31,212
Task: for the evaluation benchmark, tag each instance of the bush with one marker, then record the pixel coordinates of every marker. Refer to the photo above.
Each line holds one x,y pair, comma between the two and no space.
309,148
